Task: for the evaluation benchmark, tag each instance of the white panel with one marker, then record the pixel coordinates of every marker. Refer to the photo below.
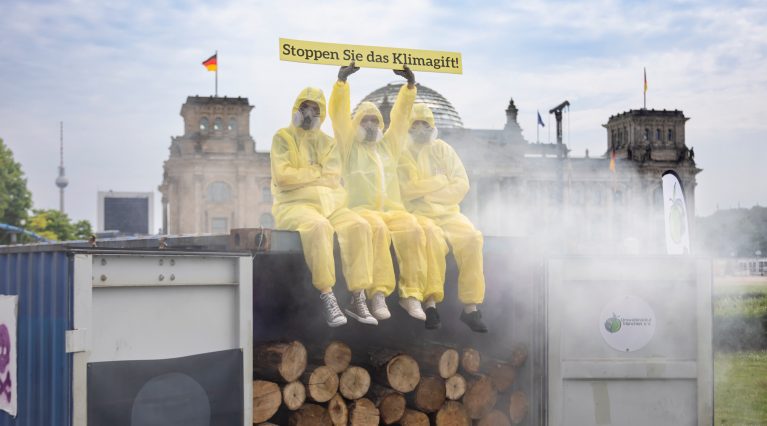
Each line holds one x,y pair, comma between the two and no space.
630,402
163,322
135,270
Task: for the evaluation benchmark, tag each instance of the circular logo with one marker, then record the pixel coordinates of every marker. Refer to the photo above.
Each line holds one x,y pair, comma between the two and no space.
627,323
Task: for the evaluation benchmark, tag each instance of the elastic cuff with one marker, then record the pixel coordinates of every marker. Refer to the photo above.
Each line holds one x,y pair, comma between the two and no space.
371,291
404,293
438,296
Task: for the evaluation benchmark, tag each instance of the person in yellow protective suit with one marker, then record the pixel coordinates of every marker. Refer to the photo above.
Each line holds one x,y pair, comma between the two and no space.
309,198
370,159
433,182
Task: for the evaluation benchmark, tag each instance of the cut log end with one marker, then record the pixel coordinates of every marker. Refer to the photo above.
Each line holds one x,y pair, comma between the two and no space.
501,373
453,413
363,412
471,360
455,387
267,398
402,373
414,418
391,407
294,395
338,355
429,395
339,413
293,361
518,356
480,397
354,383
310,415
448,363
494,418
518,406
322,384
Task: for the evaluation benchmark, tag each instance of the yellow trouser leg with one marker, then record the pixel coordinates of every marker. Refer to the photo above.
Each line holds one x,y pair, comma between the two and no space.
383,269
316,240
436,250
354,240
466,242
410,246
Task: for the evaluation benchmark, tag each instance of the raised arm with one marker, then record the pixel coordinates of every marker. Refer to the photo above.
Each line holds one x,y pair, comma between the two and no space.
400,114
285,171
340,111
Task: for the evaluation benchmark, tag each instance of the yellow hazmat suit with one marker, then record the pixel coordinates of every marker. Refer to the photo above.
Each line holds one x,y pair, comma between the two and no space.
433,182
370,176
309,198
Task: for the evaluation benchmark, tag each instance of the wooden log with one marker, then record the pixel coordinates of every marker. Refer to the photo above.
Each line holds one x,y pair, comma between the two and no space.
310,415
390,403
294,395
455,387
267,398
518,356
471,361
337,356
414,418
429,395
452,413
279,361
321,383
480,397
354,383
518,405
494,418
501,373
436,360
339,413
363,412
396,370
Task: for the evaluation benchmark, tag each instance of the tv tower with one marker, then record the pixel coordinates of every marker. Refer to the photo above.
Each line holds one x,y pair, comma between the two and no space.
62,180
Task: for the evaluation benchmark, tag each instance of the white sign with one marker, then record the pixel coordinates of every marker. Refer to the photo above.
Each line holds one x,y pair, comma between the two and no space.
675,213
8,313
627,323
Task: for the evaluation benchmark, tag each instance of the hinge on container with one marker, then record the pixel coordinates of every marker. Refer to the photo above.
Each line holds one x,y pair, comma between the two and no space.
76,340
251,239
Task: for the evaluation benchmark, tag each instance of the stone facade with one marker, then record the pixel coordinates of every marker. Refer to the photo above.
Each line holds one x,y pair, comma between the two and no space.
214,180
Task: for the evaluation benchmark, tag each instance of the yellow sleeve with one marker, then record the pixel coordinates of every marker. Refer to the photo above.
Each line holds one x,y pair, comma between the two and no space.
285,173
340,111
457,180
412,186
330,161
399,118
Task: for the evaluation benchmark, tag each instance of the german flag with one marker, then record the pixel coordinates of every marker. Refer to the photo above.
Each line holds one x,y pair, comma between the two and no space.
612,161
211,63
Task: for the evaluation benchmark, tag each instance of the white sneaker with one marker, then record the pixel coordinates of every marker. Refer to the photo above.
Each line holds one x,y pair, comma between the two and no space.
378,307
358,309
413,308
333,315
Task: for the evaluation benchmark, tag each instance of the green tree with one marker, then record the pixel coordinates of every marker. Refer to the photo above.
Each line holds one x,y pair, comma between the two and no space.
15,198
55,225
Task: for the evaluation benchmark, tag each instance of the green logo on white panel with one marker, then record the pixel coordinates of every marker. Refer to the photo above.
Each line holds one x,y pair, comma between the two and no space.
627,323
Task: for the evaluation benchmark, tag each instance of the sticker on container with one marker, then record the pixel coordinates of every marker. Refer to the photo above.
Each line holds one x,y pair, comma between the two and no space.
627,323
8,312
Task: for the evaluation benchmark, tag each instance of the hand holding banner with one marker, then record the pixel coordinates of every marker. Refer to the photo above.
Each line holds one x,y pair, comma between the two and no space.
370,56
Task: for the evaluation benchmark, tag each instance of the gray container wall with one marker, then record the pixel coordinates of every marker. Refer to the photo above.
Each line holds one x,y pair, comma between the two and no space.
44,369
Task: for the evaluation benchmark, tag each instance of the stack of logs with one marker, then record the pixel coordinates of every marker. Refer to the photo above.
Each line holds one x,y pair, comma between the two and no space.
433,384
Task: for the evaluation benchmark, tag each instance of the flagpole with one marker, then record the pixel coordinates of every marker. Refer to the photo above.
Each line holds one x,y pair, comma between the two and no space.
644,89
216,73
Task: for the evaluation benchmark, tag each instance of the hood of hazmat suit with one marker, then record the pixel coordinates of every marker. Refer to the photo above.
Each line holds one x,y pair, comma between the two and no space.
370,167
433,180
306,164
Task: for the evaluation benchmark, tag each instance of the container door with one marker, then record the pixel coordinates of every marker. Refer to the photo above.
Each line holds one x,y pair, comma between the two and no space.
629,341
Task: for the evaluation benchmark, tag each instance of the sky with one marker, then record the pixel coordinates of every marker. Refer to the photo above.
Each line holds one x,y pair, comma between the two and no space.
117,72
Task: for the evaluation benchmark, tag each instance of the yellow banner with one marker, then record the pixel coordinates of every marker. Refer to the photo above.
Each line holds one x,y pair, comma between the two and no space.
313,52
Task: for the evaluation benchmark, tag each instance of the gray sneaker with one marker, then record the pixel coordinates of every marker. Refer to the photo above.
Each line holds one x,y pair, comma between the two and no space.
358,309
333,315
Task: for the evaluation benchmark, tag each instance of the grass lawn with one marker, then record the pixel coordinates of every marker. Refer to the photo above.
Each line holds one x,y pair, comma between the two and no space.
740,378
740,388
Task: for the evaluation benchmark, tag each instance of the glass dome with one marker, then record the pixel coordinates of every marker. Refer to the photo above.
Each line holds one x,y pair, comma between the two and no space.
445,116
